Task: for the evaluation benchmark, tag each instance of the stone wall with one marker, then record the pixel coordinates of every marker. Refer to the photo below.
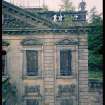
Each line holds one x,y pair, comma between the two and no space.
49,80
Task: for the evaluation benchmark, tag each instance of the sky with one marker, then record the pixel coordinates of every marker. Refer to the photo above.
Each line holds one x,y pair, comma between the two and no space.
55,4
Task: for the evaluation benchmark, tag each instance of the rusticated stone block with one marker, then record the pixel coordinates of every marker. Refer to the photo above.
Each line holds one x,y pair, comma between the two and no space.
83,47
83,69
83,61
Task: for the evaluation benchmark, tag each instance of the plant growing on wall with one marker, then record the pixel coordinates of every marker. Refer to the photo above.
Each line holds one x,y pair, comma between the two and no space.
45,8
67,5
68,21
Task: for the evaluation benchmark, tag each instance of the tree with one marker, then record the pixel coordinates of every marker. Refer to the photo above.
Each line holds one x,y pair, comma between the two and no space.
67,5
93,12
95,42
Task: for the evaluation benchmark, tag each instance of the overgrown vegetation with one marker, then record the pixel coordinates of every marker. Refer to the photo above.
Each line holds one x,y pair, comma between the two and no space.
95,42
67,5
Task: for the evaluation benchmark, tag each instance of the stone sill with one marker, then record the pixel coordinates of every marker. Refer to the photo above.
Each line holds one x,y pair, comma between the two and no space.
32,96
32,77
65,77
64,97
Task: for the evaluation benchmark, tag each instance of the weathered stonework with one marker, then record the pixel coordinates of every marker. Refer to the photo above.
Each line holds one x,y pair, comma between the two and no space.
83,72
47,39
49,79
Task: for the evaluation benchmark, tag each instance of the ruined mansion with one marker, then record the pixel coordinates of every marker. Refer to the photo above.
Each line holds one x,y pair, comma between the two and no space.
46,62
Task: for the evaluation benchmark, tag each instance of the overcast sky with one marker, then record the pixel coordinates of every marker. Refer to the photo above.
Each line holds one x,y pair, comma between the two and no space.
55,4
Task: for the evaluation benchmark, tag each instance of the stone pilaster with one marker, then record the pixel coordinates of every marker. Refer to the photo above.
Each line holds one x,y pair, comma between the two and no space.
83,71
49,74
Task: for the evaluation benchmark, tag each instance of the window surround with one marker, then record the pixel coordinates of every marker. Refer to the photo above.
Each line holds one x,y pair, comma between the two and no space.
73,49
40,61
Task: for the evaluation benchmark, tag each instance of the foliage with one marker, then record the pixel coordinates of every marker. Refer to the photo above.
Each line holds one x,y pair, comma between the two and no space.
68,21
93,11
67,5
45,8
95,75
95,45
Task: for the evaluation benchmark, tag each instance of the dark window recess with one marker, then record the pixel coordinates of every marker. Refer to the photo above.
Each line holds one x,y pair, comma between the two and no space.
32,89
32,62
3,62
32,102
65,62
65,90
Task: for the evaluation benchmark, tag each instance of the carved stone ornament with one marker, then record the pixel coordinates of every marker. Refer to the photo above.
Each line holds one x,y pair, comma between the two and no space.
29,42
68,42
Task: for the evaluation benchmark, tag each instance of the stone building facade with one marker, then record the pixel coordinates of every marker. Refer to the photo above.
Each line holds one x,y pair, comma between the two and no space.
47,64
